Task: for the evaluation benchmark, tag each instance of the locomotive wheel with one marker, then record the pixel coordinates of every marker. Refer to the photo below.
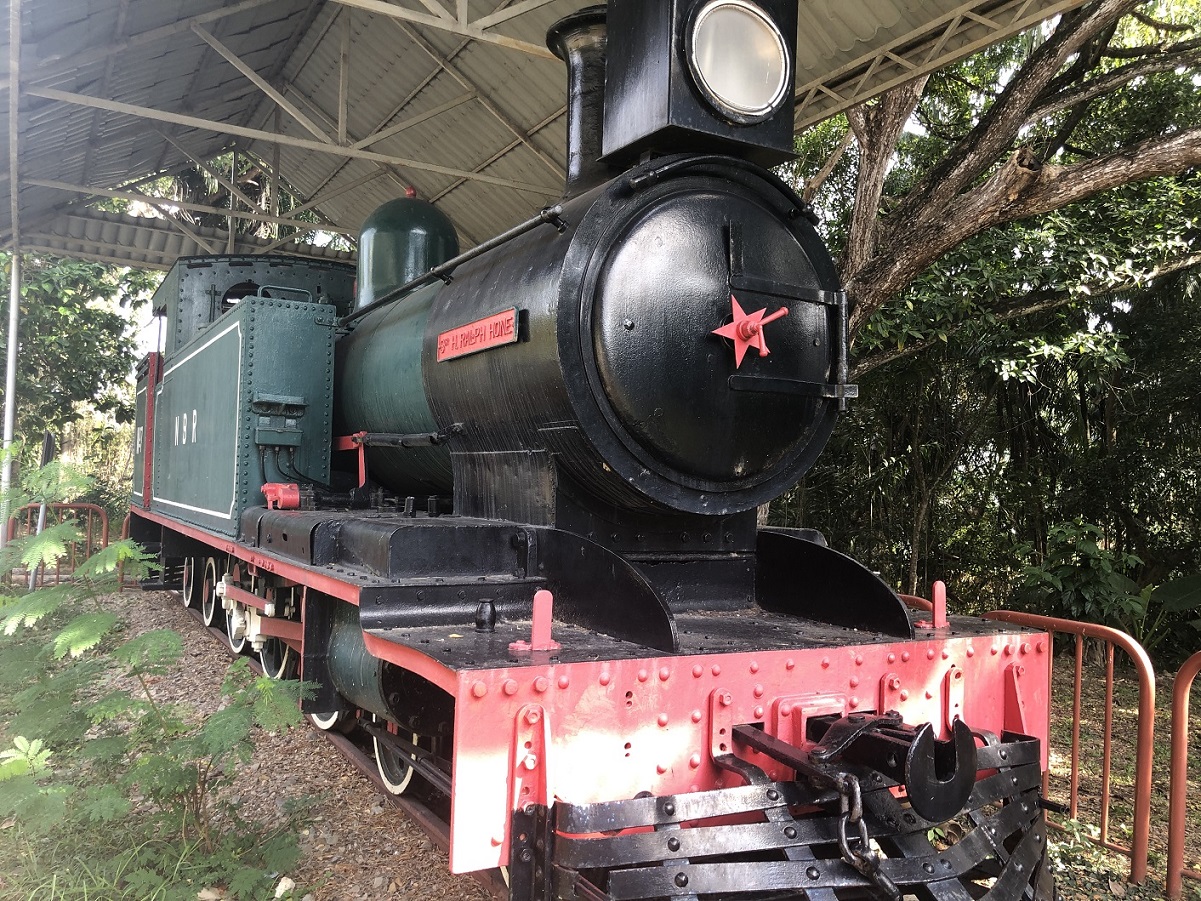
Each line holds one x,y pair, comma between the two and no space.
235,628
190,594
208,592
342,720
277,659
394,767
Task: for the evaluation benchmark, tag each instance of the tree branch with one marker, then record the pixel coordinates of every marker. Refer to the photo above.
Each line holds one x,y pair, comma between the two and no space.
999,126
877,126
1021,187
1031,304
1159,24
813,185
1185,54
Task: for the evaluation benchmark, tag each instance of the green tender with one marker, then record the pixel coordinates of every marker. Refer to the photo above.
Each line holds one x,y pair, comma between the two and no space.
247,401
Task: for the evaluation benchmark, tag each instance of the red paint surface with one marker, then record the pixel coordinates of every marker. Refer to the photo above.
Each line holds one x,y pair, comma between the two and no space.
282,495
607,730
153,374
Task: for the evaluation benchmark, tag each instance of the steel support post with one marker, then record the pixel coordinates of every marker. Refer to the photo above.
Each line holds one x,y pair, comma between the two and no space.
14,294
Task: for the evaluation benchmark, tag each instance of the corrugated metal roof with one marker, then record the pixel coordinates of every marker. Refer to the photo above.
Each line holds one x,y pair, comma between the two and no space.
466,106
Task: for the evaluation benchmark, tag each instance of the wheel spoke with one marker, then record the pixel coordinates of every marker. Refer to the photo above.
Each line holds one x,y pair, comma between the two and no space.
277,659
189,594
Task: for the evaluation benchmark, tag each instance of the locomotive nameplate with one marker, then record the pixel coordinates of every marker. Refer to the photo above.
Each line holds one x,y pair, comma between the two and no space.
482,334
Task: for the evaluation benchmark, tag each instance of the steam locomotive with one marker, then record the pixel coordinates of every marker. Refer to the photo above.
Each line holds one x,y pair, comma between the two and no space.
498,508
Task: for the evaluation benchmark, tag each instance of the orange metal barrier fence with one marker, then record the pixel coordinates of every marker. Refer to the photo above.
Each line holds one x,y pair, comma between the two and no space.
1111,638
1179,783
93,522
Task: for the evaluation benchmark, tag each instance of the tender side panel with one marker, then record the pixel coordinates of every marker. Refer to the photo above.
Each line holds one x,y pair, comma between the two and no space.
198,430
249,401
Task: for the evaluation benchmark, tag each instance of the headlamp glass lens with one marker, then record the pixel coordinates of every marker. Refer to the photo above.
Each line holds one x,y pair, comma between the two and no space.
739,58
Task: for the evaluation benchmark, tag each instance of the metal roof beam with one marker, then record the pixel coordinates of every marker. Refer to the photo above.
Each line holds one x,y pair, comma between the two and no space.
442,64
105,81
259,82
457,25
183,229
415,120
131,258
512,12
323,219
447,66
213,173
288,140
537,128
186,205
340,190
920,53
343,75
438,10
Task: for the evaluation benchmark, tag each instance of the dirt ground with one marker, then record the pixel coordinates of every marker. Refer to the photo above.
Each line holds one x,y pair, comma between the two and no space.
358,845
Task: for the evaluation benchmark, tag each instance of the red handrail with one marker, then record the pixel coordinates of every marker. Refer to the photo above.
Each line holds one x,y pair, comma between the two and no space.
1179,785
1146,725
94,512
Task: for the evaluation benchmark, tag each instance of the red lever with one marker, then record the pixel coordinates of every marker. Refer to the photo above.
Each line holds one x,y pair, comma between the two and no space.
746,330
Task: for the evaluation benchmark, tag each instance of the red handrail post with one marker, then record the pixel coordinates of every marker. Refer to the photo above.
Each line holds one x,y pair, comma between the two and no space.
1179,768
1146,717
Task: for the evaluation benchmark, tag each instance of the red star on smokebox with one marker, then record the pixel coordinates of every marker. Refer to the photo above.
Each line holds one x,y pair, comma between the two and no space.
747,330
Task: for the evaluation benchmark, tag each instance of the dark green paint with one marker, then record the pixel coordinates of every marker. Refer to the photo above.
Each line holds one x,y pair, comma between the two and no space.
399,241
219,395
380,389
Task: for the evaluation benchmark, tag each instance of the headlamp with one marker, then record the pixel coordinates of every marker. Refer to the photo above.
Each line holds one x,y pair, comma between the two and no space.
739,60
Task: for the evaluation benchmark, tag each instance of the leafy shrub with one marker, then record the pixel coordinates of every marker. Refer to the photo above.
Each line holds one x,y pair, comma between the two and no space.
1080,578
111,792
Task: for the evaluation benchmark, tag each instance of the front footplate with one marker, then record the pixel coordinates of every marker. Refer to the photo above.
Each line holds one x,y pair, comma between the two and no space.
775,839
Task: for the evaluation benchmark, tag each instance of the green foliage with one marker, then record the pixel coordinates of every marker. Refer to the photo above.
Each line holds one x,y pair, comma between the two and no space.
1078,578
109,790
1043,372
77,344
1166,619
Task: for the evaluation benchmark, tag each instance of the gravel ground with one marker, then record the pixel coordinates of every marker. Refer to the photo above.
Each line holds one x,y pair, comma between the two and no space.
358,845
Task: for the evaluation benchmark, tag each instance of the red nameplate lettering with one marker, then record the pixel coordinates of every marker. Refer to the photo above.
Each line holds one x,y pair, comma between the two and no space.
483,334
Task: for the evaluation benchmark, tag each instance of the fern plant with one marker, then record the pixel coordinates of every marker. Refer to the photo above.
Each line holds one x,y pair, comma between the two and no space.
108,790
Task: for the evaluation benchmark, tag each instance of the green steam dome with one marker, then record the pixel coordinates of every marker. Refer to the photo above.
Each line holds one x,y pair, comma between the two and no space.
401,240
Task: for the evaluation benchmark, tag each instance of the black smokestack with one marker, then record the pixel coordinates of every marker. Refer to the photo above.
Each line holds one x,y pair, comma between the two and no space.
580,41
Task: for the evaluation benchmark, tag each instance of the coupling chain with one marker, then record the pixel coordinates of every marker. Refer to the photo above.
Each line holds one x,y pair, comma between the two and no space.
857,850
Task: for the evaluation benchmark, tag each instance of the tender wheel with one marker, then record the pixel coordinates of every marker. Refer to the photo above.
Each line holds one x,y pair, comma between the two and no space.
278,659
191,585
208,592
342,720
235,628
394,767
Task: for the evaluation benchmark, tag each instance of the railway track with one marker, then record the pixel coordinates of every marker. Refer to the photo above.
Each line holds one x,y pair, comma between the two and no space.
354,746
